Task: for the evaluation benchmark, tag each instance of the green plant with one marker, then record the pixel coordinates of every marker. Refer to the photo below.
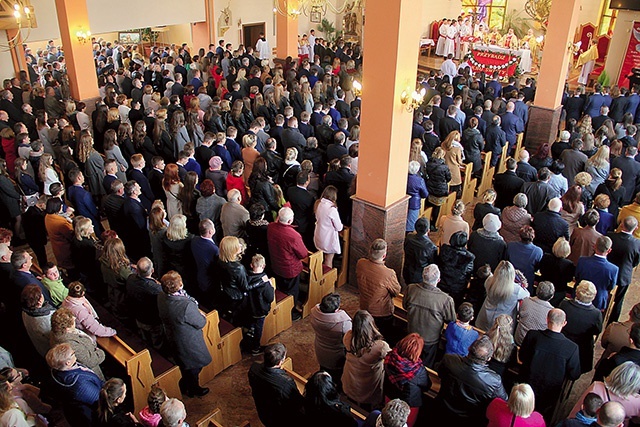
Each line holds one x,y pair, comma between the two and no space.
148,35
329,30
604,79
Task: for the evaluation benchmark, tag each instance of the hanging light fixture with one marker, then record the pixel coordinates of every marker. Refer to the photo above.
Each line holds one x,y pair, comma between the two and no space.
21,13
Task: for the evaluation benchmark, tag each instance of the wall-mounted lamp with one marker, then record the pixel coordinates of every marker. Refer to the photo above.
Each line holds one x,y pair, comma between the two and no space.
83,36
357,88
412,100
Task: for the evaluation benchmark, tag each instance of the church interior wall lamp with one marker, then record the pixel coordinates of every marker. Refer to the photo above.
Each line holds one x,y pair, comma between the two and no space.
412,100
83,36
294,9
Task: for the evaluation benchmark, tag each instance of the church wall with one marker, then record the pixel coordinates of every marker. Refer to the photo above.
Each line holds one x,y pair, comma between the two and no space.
6,70
619,43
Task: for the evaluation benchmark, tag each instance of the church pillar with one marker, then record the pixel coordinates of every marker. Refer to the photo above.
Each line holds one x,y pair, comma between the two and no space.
203,33
544,117
73,17
380,204
17,51
287,30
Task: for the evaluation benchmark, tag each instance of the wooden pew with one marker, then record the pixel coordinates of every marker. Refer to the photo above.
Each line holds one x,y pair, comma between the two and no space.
343,274
502,162
519,141
445,209
214,419
322,281
138,365
487,174
435,384
301,383
279,317
469,184
223,342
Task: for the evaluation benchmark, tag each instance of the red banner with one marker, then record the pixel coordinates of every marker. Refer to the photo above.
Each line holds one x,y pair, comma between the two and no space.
503,63
632,56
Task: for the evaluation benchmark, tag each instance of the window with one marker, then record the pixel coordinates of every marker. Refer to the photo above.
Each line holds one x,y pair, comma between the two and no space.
493,12
607,19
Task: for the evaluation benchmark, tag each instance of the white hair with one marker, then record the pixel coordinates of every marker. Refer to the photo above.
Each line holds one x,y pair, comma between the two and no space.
555,204
173,413
234,195
431,274
414,167
565,135
285,215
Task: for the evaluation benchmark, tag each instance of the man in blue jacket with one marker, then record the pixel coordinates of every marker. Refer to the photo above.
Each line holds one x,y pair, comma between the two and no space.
82,201
598,270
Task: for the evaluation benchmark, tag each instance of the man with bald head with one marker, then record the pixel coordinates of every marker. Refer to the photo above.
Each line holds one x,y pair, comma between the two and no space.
611,414
511,125
549,226
548,358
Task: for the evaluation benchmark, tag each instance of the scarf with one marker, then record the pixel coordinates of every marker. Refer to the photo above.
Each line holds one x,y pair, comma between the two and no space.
183,293
400,370
45,310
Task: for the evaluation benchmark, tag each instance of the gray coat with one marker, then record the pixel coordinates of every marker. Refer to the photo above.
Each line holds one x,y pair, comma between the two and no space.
183,325
94,172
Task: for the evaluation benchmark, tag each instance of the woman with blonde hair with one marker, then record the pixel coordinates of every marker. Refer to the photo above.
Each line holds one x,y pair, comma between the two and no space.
15,412
354,138
583,179
501,336
503,295
520,407
485,207
453,159
415,154
177,245
112,151
113,119
233,279
290,169
598,167
450,224
613,188
249,154
328,225
93,164
84,250
47,173
116,268
171,184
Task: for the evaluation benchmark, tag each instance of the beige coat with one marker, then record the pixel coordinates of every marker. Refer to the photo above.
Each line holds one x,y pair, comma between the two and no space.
377,284
453,159
363,376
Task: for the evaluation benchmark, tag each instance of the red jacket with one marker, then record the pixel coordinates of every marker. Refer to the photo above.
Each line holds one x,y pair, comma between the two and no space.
286,249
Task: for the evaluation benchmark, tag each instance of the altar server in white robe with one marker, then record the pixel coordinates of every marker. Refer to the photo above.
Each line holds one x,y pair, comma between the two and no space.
449,68
442,30
450,43
587,60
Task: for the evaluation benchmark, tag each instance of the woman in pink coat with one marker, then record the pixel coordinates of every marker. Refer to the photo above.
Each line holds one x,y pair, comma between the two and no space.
328,225
86,316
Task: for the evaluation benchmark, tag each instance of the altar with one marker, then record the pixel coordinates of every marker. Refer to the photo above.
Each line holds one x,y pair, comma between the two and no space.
495,58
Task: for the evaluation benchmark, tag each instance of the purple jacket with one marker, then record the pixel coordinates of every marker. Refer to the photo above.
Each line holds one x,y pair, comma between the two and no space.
417,190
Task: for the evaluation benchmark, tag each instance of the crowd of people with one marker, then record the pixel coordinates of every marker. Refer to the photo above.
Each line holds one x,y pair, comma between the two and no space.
215,172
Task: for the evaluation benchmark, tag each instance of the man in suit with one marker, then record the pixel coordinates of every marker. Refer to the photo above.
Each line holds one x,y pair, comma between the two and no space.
495,140
276,130
430,139
524,170
82,201
482,125
633,101
538,193
548,358
602,273
204,152
574,104
136,174
449,123
317,115
302,202
337,150
155,177
528,90
512,125
341,179
6,104
110,171
595,101
277,399
22,261
625,253
495,84
549,226
324,133
113,205
574,161
487,114
521,109
274,160
342,107
291,137
507,184
205,253
304,127
178,89
436,114
598,121
142,295
630,172
558,147
136,238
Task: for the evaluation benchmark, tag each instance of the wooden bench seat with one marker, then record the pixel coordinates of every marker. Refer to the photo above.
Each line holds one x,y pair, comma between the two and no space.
322,281
223,342
279,317
301,383
343,274
214,419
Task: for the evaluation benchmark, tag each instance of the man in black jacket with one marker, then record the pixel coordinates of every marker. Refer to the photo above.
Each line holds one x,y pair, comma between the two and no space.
273,158
277,399
630,172
468,385
495,140
549,226
142,296
538,193
507,184
625,253
419,252
341,179
449,124
302,202
548,358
